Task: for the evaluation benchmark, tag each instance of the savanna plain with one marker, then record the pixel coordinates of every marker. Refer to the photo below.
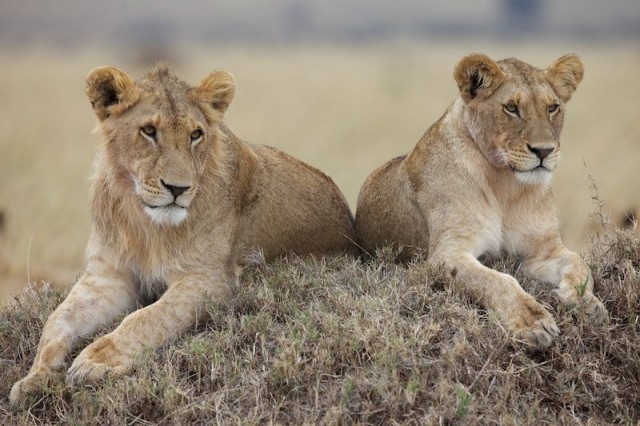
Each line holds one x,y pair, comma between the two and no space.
331,340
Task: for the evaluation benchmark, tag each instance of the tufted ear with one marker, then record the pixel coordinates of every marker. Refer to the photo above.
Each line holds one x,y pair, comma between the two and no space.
217,90
477,75
564,75
110,90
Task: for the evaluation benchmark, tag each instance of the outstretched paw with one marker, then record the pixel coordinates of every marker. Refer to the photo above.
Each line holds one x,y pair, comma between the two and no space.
540,336
34,382
534,326
595,309
101,358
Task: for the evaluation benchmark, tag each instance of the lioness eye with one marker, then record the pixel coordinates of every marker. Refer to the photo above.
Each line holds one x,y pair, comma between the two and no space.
512,109
553,108
195,135
149,131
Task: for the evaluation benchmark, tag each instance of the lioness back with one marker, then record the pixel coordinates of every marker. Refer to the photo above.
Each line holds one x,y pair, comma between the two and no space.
387,214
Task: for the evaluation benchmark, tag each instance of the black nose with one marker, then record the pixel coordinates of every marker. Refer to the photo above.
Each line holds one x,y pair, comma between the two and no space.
175,190
542,153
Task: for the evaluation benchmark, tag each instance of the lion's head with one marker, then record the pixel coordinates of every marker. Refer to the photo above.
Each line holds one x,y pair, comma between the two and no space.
515,111
160,134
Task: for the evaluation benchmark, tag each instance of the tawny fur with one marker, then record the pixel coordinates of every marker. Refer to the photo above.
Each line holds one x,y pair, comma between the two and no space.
177,201
478,182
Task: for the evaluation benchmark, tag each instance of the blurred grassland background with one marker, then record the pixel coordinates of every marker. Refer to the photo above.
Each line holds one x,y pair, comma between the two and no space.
344,86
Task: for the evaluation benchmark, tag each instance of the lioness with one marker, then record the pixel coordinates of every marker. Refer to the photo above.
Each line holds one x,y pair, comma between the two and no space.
478,183
177,199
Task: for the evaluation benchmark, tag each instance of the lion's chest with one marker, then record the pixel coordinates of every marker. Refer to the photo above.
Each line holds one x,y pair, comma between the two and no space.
150,287
150,258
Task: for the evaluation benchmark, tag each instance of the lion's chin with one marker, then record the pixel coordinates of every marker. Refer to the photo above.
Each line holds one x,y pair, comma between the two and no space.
537,176
172,215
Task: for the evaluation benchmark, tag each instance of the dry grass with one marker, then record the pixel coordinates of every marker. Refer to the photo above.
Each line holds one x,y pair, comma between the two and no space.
345,110
338,341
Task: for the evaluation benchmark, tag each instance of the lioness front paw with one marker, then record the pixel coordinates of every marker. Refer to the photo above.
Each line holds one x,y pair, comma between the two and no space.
100,358
534,325
595,309
34,381
539,336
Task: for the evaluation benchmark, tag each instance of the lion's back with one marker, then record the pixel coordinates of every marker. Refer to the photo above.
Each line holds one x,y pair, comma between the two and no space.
295,208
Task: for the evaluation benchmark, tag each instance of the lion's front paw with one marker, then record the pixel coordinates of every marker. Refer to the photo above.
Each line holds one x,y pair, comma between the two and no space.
533,325
35,381
100,358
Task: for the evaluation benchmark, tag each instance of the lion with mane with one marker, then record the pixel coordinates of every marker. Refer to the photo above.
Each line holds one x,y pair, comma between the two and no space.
177,201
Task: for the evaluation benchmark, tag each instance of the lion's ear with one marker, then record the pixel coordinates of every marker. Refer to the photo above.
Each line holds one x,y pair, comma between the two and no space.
564,75
477,75
110,90
217,90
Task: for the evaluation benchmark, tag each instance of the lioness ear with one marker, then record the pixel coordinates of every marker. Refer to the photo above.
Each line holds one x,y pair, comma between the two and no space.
477,75
564,75
107,87
217,90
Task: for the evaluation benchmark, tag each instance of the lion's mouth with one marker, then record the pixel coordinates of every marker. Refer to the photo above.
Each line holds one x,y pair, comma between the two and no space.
169,214
170,205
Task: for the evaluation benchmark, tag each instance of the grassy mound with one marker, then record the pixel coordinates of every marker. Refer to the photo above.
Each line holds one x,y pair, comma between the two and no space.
339,341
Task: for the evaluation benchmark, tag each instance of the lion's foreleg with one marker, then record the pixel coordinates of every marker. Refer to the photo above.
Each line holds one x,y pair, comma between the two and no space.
99,296
151,327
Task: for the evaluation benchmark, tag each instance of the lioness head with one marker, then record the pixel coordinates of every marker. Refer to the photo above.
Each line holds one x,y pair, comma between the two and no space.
159,134
515,111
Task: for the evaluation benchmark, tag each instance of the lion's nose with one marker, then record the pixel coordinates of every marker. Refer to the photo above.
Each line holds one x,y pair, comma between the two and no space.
541,153
175,189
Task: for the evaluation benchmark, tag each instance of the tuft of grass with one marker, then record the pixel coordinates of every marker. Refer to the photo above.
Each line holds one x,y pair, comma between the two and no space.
336,340
582,288
464,400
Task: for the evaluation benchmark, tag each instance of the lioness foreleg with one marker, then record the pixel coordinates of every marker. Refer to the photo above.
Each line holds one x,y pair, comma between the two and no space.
556,264
529,321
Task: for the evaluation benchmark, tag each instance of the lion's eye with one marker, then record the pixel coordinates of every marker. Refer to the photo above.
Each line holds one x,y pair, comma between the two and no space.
195,135
552,109
149,131
512,109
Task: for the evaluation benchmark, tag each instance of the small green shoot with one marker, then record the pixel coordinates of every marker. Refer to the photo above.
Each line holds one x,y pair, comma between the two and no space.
582,288
464,400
